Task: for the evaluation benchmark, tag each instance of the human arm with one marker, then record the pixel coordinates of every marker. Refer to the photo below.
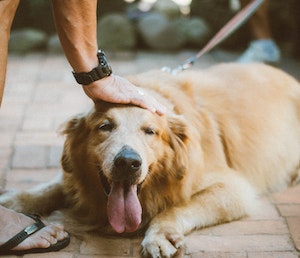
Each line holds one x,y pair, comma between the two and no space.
76,23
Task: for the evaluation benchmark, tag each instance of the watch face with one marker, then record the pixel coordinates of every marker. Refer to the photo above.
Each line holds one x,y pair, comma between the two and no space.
101,71
104,71
102,58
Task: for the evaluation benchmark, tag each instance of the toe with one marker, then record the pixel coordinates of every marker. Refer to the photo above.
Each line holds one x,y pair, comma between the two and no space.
43,238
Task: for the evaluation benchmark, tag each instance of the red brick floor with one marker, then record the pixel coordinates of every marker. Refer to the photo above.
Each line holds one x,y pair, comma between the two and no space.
41,94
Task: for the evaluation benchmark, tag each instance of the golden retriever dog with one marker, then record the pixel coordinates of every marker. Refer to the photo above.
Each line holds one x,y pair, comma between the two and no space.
231,133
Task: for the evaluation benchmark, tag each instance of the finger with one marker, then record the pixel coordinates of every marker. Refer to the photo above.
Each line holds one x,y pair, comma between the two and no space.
161,109
150,104
154,106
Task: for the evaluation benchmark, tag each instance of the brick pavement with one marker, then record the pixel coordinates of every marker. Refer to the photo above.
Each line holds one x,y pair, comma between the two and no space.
41,94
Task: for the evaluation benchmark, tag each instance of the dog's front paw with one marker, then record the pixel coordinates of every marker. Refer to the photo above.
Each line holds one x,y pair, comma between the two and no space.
162,243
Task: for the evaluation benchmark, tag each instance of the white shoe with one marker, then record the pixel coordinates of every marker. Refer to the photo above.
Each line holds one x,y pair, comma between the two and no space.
263,51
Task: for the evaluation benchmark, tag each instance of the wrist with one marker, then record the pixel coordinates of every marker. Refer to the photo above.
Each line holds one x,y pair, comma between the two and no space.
86,64
101,71
104,82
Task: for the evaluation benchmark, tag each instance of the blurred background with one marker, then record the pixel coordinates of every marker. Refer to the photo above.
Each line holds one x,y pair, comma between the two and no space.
156,25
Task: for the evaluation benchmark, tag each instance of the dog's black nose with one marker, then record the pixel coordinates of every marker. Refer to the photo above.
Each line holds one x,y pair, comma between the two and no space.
127,161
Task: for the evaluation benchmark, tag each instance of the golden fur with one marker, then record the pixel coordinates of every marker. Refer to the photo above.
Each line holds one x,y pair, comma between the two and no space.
231,132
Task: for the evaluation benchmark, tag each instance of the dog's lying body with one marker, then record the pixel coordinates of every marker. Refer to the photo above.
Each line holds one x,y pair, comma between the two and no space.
231,132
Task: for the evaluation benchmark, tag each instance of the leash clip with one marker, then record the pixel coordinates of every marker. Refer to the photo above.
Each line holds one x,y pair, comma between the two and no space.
186,65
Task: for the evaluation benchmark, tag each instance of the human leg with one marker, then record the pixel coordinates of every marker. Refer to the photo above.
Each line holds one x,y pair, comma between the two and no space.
259,22
7,12
11,222
262,48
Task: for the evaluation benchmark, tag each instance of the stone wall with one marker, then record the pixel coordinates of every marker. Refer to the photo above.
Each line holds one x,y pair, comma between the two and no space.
124,26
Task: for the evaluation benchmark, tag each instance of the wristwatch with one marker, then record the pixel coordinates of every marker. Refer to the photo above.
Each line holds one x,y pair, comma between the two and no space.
101,71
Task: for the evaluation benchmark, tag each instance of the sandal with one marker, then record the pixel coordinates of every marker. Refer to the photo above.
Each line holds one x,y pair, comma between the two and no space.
5,249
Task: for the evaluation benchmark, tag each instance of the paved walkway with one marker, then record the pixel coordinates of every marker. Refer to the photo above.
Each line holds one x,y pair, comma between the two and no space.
41,94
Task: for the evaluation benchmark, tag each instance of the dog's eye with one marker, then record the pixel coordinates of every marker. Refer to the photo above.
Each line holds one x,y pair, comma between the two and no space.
149,130
105,127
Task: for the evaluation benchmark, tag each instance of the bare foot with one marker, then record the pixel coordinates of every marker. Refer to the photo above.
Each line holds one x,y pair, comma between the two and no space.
11,223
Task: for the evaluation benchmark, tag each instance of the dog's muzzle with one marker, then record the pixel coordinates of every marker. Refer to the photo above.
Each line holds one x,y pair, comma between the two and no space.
127,166
124,210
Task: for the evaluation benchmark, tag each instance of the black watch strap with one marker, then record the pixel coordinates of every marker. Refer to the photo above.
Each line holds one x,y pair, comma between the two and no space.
101,71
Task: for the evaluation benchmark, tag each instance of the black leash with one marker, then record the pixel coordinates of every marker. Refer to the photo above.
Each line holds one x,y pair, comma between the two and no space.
234,23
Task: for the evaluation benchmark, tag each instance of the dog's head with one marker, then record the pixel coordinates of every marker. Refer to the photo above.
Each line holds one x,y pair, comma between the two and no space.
130,149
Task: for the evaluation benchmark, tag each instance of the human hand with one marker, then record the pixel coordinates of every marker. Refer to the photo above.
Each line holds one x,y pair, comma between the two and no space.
116,89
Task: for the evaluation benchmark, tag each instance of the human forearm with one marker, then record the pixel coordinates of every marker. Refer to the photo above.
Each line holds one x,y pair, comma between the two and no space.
76,22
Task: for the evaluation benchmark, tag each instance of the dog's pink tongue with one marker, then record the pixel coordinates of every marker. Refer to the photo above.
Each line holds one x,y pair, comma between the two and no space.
123,208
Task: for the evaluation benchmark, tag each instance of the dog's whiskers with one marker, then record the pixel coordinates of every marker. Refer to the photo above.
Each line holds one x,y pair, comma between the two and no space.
94,163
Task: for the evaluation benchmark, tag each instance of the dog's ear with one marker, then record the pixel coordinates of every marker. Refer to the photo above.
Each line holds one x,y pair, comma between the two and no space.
66,161
71,125
178,126
71,129
178,139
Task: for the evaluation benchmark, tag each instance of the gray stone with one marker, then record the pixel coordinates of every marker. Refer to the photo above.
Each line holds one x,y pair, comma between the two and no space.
160,33
168,8
24,40
195,30
116,32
